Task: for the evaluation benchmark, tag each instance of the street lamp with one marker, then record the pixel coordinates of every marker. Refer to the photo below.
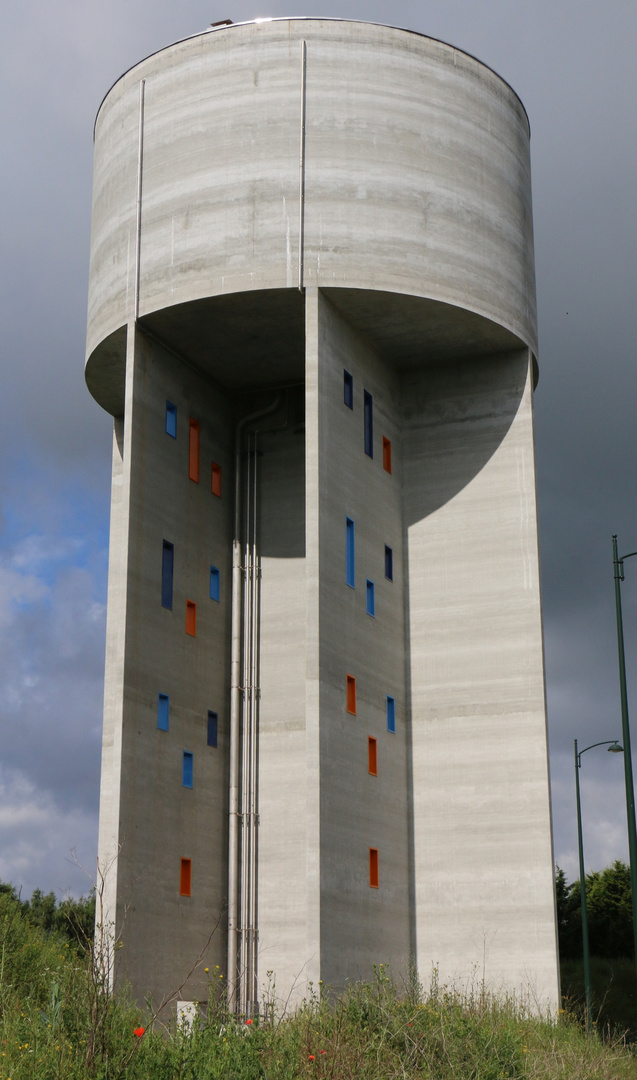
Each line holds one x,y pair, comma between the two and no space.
613,748
618,568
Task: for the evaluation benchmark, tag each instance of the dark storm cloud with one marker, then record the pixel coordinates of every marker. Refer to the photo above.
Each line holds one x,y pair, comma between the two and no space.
573,65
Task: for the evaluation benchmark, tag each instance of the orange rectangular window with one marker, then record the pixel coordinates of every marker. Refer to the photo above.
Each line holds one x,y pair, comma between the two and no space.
351,694
185,877
372,756
191,618
215,486
373,868
193,451
386,455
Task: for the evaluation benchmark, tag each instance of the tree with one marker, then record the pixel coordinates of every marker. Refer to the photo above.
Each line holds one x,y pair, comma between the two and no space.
71,919
609,907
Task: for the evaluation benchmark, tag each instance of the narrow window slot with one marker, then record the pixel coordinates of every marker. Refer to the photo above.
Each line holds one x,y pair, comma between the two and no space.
391,714
193,451
369,423
386,455
350,552
389,563
185,877
167,570
351,695
215,584
372,756
371,603
191,618
348,389
215,485
373,868
187,769
171,419
213,728
163,712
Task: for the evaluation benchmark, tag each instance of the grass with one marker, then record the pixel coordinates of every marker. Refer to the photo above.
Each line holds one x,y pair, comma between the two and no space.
57,1022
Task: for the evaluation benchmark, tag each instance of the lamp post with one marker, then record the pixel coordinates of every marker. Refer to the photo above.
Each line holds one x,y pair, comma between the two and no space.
618,569
613,748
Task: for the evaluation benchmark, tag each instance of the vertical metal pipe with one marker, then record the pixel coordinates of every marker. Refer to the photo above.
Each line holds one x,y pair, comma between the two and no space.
245,740
255,789
302,164
253,734
233,976
138,223
233,822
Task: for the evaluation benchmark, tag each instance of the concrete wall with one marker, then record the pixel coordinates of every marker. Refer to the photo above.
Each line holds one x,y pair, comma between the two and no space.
483,859
360,925
155,819
417,174
282,894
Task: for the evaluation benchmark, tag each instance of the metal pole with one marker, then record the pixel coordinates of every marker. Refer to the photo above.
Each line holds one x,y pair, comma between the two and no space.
618,568
588,997
253,743
233,822
245,738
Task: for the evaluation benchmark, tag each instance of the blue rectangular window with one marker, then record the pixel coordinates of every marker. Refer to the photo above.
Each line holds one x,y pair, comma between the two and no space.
167,565
212,729
186,770
391,714
348,389
350,552
369,424
171,419
215,586
163,707
389,563
371,606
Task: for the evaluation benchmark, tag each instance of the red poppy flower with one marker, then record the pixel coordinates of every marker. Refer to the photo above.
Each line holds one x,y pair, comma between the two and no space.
139,1032
311,1058
322,1051
249,1021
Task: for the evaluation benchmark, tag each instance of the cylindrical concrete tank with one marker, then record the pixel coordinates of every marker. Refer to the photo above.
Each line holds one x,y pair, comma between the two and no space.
411,177
312,315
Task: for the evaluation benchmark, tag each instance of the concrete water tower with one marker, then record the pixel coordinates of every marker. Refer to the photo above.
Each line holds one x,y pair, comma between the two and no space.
312,317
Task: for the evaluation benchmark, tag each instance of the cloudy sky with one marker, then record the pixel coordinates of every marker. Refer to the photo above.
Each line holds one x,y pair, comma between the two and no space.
573,64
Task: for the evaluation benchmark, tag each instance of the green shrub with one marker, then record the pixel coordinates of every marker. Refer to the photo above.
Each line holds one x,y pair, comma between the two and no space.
614,987
59,1022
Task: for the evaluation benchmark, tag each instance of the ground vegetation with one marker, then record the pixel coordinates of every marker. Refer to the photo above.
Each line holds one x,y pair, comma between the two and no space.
59,1021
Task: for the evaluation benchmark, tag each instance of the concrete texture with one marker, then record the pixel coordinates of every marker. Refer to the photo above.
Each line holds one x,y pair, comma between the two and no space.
360,926
418,279
482,843
417,177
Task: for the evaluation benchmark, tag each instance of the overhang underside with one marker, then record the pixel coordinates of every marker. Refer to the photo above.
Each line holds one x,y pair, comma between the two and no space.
256,339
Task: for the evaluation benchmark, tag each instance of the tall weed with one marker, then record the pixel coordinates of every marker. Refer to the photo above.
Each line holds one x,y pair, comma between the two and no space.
58,1021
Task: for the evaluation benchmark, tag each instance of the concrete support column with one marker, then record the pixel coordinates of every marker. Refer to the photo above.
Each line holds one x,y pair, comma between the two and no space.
111,776
483,859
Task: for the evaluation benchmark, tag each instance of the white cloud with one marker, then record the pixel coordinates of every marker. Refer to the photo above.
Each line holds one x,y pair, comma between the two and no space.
18,590
603,811
38,838
52,626
36,551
